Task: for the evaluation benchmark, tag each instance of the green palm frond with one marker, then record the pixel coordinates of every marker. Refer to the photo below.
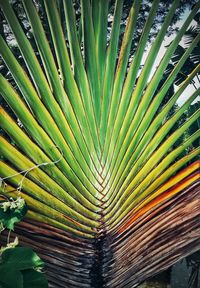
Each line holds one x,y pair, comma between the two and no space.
95,156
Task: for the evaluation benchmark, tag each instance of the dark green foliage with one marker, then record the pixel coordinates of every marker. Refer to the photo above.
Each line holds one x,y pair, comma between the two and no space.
18,269
19,266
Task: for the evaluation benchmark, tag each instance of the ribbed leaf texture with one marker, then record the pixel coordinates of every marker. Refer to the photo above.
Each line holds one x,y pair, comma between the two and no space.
109,174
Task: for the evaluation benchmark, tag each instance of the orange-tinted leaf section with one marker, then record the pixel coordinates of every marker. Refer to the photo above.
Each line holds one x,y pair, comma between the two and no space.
169,193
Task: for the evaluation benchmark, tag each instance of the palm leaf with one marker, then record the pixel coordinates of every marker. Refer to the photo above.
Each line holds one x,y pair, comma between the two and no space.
111,201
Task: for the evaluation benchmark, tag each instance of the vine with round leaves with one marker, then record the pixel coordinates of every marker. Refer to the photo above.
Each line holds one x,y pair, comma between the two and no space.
20,267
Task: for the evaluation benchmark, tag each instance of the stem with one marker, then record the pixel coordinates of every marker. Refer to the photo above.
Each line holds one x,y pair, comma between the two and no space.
8,238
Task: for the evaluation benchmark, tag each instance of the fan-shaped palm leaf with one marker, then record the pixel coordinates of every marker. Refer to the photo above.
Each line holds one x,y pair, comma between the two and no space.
107,197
